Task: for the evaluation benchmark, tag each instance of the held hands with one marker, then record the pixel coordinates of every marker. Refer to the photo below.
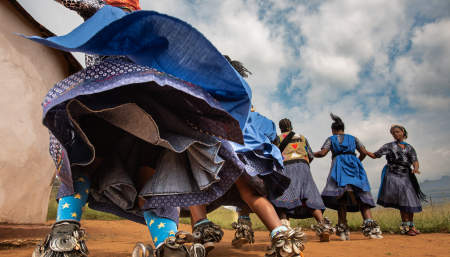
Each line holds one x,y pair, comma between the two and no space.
371,155
415,171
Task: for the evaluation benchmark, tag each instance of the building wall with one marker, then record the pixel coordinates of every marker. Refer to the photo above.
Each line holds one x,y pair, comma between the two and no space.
27,72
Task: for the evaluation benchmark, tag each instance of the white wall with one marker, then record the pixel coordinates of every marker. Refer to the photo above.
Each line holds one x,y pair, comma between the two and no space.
27,72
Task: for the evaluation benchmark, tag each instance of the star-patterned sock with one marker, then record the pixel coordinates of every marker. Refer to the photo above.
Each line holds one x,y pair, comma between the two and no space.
160,228
70,207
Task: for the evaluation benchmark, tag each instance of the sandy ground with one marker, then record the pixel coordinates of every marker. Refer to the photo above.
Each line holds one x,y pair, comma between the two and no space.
117,238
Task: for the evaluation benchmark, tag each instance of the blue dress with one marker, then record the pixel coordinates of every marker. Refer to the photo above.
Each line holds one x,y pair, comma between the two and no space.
346,175
162,96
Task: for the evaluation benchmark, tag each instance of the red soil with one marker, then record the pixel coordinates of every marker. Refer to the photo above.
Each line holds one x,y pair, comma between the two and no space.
117,238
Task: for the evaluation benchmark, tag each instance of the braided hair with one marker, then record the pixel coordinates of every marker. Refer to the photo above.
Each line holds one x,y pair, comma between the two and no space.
238,66
285,125
338,124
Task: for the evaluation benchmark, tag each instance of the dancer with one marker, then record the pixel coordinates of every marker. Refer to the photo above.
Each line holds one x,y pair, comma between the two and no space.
263,166
399,186
302,199
347,188
137,132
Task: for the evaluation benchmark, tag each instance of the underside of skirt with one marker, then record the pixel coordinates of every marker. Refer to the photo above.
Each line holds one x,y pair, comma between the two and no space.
131,127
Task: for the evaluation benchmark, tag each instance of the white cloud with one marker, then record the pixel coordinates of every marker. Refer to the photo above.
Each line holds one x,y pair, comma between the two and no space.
338,40
424,72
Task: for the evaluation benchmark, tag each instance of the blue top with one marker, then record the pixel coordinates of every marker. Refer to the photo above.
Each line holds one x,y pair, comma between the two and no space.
259,133
164,43
347,168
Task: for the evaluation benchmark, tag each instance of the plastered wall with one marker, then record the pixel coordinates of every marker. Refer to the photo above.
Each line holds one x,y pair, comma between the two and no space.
27,72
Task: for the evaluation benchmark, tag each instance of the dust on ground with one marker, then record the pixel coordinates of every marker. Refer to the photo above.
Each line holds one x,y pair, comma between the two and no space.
117,239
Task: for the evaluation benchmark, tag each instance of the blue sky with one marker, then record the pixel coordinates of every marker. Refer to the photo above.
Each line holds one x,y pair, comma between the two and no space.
374,63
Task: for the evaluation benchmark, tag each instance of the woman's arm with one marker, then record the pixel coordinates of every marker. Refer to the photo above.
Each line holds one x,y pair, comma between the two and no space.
363,152
321,153
416,167
362,155
372,155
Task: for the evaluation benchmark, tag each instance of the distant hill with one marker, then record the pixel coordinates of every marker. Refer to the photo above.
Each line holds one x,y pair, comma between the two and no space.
438,190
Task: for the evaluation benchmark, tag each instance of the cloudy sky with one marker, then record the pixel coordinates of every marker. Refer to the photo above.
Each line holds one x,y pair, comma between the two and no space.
374,63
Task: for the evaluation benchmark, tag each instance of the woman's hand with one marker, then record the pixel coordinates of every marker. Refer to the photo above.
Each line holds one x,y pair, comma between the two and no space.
321,153
371,155
415,168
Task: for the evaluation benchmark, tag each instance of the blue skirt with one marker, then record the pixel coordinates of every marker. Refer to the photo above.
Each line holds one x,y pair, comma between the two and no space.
398,192
270,185
170,100
349,196
118,110
302,195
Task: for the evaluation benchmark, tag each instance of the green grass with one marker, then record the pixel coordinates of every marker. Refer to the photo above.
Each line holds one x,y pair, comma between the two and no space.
434,218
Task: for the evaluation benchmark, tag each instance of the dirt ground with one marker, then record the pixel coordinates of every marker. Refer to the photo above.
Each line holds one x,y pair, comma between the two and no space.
117,238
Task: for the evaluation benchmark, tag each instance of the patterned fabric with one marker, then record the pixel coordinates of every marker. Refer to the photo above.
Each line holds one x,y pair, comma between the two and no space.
396,189
297,149
114,73
93,59
232,170
352,198
132,5
302,194
171,46
85,8
185,98
395,155
252,163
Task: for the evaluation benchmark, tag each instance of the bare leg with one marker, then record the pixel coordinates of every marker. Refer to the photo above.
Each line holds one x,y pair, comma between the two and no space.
411,217
366,213
370,227
404,216
317,214
260,205
198,212
342,215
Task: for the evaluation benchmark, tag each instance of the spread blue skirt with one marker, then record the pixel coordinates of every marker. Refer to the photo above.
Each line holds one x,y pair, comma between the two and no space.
171,101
